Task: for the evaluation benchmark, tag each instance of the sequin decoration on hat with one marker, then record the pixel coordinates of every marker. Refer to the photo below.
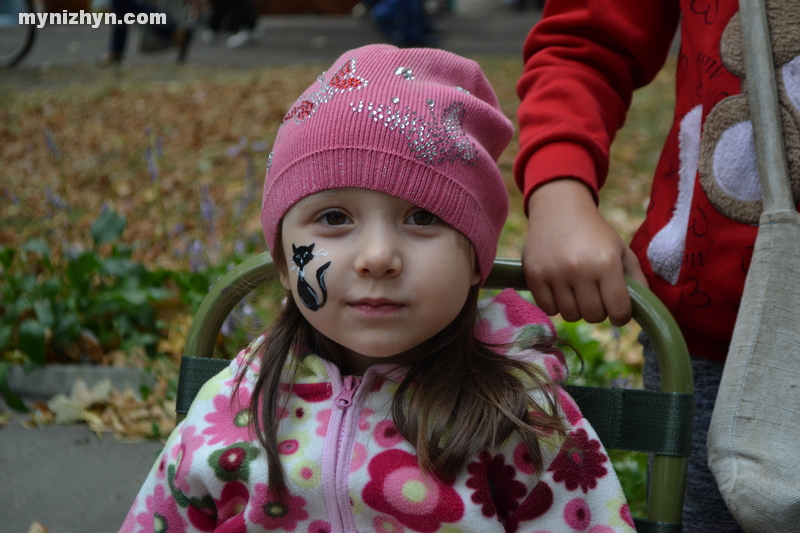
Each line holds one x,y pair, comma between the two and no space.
344,79
269,160
435,141
406,72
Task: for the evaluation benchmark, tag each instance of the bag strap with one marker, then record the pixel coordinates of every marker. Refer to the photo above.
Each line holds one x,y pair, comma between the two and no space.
765,114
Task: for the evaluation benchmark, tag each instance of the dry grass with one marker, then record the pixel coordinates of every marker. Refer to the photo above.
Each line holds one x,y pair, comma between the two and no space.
183,158
67,150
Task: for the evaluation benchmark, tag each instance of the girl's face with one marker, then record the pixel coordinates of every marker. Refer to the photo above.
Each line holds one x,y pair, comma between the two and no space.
374,273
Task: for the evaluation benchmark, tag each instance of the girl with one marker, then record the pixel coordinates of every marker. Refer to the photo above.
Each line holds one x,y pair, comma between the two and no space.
385,397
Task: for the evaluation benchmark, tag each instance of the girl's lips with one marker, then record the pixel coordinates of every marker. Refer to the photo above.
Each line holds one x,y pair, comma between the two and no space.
375,307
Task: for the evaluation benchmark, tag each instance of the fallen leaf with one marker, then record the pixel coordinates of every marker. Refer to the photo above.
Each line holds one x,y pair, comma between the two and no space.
73,408
66,410
40,416
36,527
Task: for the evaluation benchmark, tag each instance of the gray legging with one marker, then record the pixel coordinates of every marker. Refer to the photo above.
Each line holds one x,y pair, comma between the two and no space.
704,509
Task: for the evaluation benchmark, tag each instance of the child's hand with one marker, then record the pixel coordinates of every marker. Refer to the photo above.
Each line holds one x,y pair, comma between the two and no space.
574,261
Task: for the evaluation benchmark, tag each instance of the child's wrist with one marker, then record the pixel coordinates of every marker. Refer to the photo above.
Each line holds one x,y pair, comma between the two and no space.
560,191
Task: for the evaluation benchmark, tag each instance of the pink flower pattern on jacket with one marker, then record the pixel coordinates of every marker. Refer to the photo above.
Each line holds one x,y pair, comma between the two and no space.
166,518
273,514
184,455
580,465
230,505
230,422
398,488
538,503
495,485
212,474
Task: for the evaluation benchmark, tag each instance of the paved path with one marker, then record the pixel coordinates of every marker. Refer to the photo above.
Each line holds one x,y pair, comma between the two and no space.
64,476
482,27
67,479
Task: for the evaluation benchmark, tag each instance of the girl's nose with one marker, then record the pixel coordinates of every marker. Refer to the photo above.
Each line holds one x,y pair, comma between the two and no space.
378,256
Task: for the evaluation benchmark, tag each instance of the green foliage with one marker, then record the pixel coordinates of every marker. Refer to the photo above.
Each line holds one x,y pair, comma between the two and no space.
598,366
194,286
47,304
631,469
108,227
50,304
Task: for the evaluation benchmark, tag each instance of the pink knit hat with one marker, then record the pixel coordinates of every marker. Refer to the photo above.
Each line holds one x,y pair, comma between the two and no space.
423,125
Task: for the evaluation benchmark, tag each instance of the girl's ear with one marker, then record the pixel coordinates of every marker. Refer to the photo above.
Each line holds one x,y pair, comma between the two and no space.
279,257
467,246
476,274
476,269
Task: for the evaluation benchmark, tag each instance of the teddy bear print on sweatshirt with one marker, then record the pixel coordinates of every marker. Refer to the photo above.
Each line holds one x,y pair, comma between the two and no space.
721,149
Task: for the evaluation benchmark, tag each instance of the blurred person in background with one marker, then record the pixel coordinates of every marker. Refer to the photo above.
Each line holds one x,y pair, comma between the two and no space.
172,33
403,23
238,16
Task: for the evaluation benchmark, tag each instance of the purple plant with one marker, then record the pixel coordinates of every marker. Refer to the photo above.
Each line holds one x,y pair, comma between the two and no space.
621,383
177,229
72,252
197,260
207,209
152,167
52,146
243,316
259,146
246,150
153,153
11,195
55,200
250,174
237,149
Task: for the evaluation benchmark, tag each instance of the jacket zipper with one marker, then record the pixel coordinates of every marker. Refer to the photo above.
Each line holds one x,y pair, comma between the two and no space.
345,397
341,460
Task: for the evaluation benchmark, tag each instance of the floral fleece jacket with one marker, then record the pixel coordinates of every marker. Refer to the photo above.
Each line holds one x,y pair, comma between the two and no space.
348,469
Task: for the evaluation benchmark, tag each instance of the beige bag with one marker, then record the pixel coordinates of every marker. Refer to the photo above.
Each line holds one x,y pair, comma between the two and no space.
755,429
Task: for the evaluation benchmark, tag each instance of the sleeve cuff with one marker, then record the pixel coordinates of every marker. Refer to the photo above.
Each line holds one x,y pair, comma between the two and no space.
560,160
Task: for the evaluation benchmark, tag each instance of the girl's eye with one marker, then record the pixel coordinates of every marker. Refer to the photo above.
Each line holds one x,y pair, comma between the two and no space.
422,218
335,218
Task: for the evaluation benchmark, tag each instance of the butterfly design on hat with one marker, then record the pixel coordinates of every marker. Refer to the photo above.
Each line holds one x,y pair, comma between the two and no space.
343,80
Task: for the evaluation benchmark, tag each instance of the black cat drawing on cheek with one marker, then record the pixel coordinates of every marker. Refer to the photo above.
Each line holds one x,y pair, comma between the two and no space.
301,256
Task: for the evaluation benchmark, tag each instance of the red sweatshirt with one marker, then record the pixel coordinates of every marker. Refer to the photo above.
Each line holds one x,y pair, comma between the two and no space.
584,59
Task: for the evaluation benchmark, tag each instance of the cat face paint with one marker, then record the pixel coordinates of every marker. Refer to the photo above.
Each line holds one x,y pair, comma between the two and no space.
301,256
399,277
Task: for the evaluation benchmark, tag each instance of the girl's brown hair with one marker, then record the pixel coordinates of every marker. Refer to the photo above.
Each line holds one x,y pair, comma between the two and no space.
459,398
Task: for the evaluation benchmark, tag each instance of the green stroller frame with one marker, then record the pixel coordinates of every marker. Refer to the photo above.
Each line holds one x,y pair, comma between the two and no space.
654,422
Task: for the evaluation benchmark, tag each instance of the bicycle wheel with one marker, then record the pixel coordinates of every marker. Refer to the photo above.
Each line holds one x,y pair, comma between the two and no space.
15,38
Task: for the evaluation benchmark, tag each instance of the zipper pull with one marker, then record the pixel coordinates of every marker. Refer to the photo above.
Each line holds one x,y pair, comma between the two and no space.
345,397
